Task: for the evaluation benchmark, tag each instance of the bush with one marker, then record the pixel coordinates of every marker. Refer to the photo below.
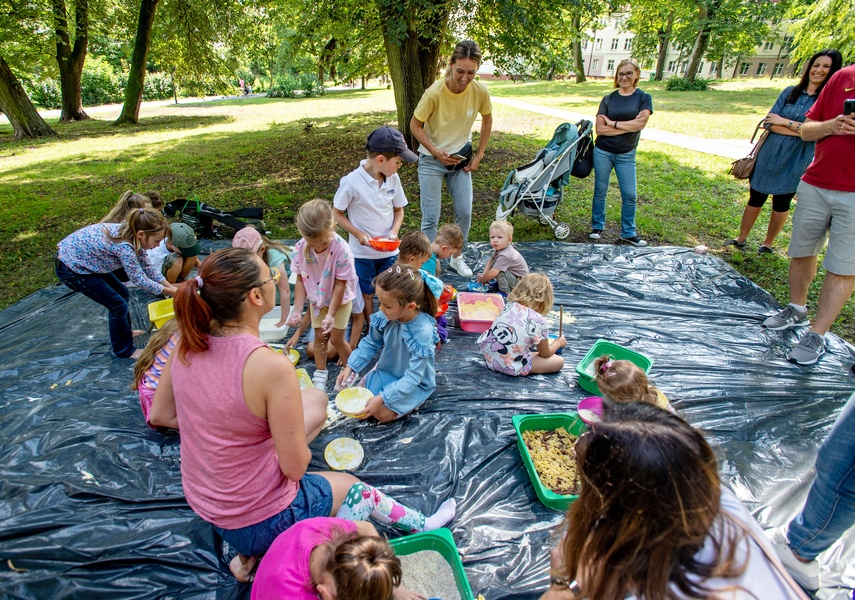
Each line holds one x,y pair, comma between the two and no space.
285,87
100,84
310,86
681,84
158,86
46,94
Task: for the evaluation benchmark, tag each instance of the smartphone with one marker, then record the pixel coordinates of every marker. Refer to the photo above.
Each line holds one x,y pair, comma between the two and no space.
849,106
461,157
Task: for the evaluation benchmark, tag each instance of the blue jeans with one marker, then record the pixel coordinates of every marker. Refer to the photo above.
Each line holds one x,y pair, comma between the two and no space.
624,166
830,506
109,292
431,174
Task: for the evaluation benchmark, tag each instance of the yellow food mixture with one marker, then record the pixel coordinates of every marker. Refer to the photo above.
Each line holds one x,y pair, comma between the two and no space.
551,452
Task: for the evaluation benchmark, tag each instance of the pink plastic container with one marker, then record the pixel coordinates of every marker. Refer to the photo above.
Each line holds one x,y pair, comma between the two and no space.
476,314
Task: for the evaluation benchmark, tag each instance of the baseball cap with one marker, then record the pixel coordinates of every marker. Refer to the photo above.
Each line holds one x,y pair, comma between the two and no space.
389,139
247,237
184,239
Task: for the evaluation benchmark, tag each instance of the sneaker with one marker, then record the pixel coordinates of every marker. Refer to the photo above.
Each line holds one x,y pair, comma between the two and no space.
764,250
319,379
736,244
806,574
787,318
635,241
595,234
458,264
809,349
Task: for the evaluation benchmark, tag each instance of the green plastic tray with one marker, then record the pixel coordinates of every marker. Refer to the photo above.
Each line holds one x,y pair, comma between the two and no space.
441,541
574,426
585,369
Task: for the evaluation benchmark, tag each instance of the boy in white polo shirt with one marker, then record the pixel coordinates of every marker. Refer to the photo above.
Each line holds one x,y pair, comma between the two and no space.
374,201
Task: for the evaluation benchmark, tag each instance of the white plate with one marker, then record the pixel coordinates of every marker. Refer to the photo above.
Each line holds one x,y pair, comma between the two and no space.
352,401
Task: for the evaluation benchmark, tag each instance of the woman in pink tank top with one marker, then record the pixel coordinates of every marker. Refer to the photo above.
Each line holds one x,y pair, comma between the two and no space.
245,424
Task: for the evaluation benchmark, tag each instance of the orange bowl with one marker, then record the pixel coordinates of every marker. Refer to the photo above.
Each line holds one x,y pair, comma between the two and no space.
384,244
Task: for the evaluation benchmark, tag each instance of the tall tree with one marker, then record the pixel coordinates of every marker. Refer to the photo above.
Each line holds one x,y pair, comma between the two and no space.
576,45
136,78
71,46
14,102
823,24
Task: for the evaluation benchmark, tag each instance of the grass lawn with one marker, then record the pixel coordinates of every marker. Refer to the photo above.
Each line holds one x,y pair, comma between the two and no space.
254,152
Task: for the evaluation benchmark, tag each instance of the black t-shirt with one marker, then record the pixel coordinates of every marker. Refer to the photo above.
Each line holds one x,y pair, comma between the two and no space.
622,108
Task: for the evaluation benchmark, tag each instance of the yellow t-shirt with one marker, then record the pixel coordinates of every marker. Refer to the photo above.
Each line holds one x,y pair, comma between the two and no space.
448,117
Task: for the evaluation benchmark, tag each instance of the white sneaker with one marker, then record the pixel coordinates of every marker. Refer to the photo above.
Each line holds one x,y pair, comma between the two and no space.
319,379
806,574
458,264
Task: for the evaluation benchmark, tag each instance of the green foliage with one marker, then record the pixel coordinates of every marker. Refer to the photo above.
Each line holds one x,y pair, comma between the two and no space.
158,86
681,84
823,24
293,86
45,93
100,84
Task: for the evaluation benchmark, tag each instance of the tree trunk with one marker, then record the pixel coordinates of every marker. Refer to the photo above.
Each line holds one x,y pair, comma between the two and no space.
736,67
664,36
702,41
14,102
136,78
576,45
720,69
414,59
70,58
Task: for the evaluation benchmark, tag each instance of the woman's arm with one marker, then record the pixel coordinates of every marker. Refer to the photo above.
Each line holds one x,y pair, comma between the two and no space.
486,128
610,127
781,126
417,129
163,413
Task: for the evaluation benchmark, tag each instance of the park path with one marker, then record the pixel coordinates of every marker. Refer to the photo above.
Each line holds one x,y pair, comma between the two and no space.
727,148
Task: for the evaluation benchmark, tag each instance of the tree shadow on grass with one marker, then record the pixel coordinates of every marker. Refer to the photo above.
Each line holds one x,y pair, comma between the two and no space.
95,128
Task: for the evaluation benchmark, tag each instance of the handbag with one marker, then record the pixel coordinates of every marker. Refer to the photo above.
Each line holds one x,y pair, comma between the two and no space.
584,163
742,168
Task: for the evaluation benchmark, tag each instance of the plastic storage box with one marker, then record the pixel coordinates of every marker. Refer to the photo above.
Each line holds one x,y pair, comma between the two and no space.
160,312
574,426
472,316
441,541
585,369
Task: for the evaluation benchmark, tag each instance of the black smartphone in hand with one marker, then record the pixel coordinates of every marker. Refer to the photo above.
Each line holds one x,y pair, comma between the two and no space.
849,106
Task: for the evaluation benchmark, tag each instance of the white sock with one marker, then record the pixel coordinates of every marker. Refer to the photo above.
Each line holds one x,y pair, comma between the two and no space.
443,515
798,306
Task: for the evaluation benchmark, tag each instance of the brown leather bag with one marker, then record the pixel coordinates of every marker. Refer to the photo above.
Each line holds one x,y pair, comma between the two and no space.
742,168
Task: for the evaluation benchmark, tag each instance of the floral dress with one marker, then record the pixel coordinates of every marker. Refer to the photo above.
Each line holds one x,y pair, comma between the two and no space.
507,344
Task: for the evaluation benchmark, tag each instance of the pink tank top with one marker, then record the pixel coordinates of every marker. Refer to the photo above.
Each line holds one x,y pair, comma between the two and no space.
229,467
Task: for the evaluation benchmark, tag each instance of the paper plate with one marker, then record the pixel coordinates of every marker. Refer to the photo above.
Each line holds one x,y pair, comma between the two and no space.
344,454
351,401
304,379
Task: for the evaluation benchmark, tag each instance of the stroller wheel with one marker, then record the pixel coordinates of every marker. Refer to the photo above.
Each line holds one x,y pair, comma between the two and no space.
561,231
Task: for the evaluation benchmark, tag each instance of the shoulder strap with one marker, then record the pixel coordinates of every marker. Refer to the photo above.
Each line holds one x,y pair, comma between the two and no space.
773,559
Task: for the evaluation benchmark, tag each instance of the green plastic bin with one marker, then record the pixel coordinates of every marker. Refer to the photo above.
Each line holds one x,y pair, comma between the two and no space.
574,426
441,541
585,369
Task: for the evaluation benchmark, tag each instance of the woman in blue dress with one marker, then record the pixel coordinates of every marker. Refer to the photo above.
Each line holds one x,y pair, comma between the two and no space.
784,157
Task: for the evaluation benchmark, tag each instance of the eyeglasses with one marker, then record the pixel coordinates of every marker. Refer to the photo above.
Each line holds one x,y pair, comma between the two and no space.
275,276
626,75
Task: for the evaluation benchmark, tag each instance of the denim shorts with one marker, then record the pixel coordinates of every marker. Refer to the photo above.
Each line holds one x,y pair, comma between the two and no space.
369,268
314,499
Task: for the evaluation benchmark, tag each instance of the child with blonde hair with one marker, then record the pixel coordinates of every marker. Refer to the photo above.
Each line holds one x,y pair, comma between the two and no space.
330,558
522,325
275,255
127,202
448,242
86,261
624,381
506,265
149,367
326,275
404,333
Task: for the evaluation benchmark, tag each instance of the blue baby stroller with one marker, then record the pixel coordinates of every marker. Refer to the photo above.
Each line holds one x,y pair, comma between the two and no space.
539,185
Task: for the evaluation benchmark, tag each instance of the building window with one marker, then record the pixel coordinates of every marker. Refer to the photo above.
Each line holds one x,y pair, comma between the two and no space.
761,69
596,65
743,68
779,68
585,45
610,66
700,67
787,43
599,44
627,45
672,66
614,43
767,46
712,68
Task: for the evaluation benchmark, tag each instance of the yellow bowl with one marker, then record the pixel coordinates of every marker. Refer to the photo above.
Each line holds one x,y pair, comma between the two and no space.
294,355
304,379
352,401
344,454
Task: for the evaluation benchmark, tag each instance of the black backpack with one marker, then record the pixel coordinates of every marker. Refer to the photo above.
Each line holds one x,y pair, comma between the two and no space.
201,217
584,163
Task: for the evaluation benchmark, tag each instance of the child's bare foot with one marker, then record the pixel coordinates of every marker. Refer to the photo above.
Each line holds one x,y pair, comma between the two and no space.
139,332
137,353
242,566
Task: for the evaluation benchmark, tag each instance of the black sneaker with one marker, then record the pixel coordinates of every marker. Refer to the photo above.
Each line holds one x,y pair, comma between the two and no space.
635,241
595,234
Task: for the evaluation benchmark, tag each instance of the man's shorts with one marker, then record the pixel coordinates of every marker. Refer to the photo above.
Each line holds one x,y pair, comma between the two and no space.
369,268
314,499
825,214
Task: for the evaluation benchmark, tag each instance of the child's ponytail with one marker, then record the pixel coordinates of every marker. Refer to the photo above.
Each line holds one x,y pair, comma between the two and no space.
218,292
157,341
623,381
428,303
363,567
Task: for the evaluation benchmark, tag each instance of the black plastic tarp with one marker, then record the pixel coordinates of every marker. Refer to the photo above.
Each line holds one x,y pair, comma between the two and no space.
92,501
